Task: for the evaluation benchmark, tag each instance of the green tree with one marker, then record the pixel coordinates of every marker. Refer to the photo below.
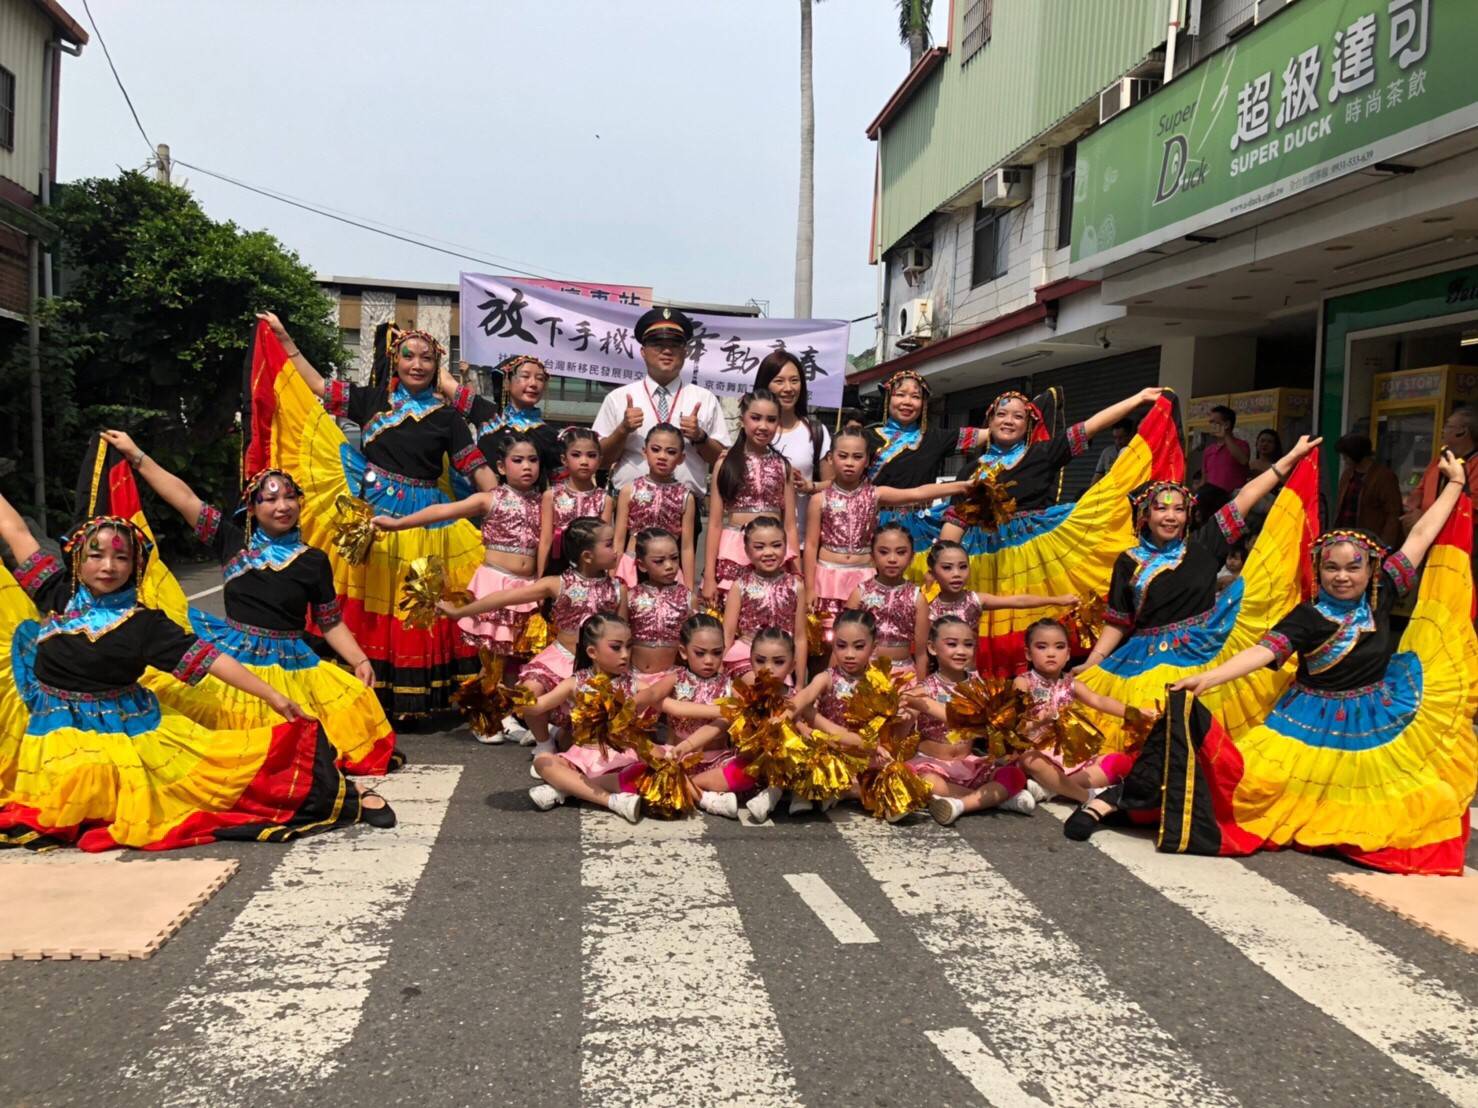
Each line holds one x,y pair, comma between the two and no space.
913,27
150,334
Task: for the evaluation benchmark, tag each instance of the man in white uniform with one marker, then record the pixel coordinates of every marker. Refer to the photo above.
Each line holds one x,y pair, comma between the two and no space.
629,412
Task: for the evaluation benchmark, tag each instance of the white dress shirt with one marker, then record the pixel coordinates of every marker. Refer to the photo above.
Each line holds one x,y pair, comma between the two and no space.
681,397
800,451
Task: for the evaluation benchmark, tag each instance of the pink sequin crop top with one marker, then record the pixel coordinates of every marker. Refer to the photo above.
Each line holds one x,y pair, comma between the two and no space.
571,504
940,688
966,607
512,522
848,519
763,489
581,597
1048,697
767,601
696,690
894,607
654,504
832,704
657,613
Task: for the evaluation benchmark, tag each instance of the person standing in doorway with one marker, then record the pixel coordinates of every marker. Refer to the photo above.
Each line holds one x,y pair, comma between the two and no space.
1224,461
1369,493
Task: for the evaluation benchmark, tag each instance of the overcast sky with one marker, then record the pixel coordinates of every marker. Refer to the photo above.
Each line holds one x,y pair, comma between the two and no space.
646,143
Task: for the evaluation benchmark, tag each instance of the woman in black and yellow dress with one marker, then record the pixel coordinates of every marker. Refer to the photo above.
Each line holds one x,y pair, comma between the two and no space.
276,587
412,442
89,757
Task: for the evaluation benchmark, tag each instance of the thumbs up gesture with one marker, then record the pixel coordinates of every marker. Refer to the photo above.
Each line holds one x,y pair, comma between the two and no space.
634,415
689,425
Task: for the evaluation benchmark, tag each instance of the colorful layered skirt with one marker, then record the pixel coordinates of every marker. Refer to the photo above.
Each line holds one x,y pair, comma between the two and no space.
1271,585
416,670
99,771
1383,775
1067,548
350,713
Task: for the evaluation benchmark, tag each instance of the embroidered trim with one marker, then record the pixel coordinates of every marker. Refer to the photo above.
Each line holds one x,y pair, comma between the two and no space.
89,697
328,616
208,523
468,459
1229,519
1118,618
1341,694
1077,439
263,632
462,400
195,663
1178,625
1280,646
36,570
1402,573
336,399
259,558
968,439
412,482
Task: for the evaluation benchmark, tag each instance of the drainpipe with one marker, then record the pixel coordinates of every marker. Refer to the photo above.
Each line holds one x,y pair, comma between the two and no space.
1172,26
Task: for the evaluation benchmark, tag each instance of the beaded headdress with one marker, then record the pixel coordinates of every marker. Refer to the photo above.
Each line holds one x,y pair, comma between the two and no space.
1142,497
909,375
78,542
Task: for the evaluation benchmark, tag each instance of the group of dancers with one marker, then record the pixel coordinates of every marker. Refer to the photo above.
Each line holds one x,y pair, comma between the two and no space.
898,641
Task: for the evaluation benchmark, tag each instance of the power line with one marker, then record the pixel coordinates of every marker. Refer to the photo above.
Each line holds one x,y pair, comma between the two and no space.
355,222
126,98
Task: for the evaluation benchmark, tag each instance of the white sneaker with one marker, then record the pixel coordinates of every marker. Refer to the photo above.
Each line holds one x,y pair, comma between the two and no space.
1022,802
799,807
514,728
546,796
1039,794
762,803
828,804
946,809
549,747
898,817
720,804
491,740
625,805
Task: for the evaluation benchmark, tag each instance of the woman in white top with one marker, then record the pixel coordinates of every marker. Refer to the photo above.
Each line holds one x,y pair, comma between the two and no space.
802,439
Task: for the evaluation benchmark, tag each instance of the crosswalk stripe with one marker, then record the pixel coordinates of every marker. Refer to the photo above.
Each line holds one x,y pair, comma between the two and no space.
1412,1018
963,1049
676,1012
285,987
845,925
1030,986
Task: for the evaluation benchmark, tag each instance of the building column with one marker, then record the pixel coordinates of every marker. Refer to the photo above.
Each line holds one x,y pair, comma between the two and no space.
375,308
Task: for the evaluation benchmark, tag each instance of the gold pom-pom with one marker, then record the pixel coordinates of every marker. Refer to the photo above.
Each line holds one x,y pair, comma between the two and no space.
755,716
353,532
605,716
990,710
425,581
823,770
873,703
534,637
664,786
1072,735
815,634
1138,724
485,700
1084,623
894,790
987,503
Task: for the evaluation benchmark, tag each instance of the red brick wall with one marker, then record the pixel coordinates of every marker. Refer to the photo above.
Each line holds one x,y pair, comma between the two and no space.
15,290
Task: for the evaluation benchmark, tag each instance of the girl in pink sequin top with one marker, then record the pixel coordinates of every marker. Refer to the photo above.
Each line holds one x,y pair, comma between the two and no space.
587,588
949,564
898,606
576,497
763,595
603,647
658,605
1051,690
844,517
959,779
753,480
657,499
510,535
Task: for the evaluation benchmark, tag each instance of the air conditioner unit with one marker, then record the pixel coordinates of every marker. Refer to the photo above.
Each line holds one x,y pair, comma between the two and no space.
921,318
917,257
1123,93
1007,187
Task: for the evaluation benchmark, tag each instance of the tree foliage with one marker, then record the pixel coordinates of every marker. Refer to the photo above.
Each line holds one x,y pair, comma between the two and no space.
149,333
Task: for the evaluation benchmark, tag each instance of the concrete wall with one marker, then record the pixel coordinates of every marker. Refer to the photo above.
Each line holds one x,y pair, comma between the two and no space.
1200,366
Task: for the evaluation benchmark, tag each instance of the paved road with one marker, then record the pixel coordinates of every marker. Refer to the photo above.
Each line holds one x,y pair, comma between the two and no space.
484,953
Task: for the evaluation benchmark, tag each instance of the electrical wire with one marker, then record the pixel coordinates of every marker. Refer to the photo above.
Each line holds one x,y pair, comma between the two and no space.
126,98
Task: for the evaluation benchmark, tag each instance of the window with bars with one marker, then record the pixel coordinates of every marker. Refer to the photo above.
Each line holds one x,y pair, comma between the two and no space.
975,28
991,246
1065,185
7,109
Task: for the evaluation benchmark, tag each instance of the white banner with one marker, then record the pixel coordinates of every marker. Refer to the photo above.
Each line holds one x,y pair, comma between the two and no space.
579,336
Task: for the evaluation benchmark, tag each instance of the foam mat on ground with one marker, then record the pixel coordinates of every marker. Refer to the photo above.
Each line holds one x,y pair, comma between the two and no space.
1445,906
66,906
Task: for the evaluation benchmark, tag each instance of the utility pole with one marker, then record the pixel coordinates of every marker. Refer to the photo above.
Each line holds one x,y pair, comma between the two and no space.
161,163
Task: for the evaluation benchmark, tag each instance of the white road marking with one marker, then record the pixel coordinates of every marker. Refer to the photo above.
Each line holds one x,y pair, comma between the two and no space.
963,1049
285,987
1410,1017
1027,983
844,924
205,592
676,1012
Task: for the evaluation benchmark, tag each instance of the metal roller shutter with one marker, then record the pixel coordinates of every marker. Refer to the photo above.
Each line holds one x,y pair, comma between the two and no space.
1089,388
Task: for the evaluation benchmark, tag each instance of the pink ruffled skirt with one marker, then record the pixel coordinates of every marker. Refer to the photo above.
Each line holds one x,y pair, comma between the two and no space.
833,585
499,630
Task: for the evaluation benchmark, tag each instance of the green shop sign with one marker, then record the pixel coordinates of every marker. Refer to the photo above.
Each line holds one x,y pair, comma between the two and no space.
1322,89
